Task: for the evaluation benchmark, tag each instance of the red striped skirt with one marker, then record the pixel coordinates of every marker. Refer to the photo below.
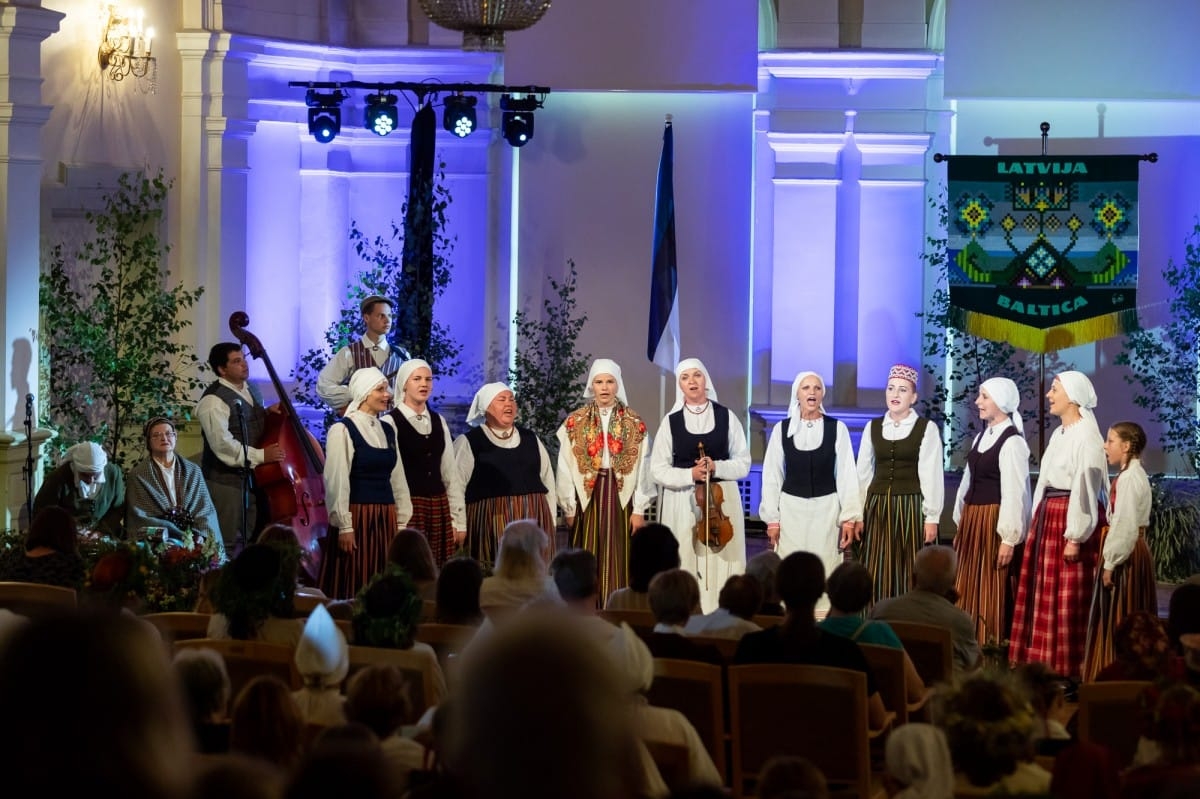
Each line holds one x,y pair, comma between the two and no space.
603,530
1134,589
1051,613
431,515
344,573
487,518
982,588
893,531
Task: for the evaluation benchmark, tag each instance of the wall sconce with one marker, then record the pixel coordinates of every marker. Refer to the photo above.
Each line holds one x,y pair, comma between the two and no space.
125,48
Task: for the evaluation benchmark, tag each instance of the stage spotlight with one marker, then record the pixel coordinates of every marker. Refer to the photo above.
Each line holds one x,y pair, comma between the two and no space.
381,117
459,114
324,114
517,122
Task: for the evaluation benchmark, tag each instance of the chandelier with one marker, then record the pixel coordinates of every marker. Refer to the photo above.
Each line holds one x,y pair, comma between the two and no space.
483,22
125,48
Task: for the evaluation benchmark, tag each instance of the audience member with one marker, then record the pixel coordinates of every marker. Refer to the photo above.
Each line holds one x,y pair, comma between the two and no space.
674,596
458,586
283,536
576,578
1047,695
410,551
254,598
266,723
918,763
1142,649
928,603
652,550
1183,614
51,553
89,487
739,600
206,692
1085,770
378,697
323,660
239,777
791,777
1176,730
763,567
520,570
343,761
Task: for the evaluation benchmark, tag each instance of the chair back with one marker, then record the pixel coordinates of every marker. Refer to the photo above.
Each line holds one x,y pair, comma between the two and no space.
1109,714
766,622
305,603
419,666
245,660
812,711
726,646
930,648
447,640
696,690
887,663
642,621
35,599
179,626
428,610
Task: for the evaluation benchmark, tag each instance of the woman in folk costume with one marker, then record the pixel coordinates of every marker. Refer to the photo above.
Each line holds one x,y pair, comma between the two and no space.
322,661
1126,579
991,510
505,470
439,510
677,468
600,454
901,478
810,494
365,488
1058,567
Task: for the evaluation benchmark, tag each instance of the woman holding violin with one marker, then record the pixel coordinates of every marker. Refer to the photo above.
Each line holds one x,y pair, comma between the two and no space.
699,454
810,494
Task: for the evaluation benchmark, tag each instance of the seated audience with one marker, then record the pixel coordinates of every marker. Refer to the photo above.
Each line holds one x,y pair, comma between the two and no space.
934,571
521,572
239,777
283,536
254,598
1142,650
1085,770
323,660
739,600
458,586
674,597
791,777
51,553
654,549
343,761
918,764
206,691
989,724
410,551
577,580
89,487
1183,614
799,640
378,698
1176,730
1047,695
763,567
265,722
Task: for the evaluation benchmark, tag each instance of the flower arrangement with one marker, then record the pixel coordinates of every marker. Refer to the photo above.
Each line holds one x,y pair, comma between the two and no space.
157,576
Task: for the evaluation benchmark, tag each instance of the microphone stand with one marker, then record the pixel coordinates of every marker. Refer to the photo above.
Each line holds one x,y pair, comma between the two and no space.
243,533
27,470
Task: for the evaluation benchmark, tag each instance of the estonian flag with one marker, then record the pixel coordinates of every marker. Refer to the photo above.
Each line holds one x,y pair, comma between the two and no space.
662,343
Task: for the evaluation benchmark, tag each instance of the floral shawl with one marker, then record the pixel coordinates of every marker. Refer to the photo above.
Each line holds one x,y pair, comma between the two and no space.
584,428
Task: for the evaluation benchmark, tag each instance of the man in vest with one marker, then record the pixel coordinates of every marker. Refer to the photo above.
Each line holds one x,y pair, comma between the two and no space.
232,419
333,383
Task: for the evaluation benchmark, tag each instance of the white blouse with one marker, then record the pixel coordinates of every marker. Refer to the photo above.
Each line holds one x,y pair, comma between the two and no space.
451,479
1128,513
1074,461
339,454
465,459
1013,520
807,439
929,462
662,457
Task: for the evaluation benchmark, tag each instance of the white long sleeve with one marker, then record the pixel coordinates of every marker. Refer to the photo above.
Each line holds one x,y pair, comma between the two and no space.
807,439
465,459
339,455
213,414
1074,461
1013,520
929,463
1128,514
333,380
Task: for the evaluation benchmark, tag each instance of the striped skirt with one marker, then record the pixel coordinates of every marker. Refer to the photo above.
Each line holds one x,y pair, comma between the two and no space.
982,588
431,515
1134,589
344,573
487,518
603,530
893,531
1051,612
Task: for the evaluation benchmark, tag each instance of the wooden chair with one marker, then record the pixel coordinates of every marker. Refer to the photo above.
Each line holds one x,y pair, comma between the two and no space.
246,660
930,648
642,621
447,640
179,626
420,668
767,622
696,690
304,604
726,646
813,711
428,610
1109,714
36,599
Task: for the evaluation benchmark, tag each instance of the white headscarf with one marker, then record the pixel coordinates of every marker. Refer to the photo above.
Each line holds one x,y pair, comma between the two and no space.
87,456
604,366
483,398
632,658
322,652
1079,390
1007,397
405,371
917,756
691,363
362,383
794,402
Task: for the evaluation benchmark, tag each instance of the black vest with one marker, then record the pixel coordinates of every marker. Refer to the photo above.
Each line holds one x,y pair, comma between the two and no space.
896,461
422,455
811,473
256,420
371,468
501,472
985,472
686,446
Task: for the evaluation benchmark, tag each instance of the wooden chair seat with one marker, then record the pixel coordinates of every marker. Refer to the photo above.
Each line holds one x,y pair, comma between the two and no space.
887,663
36,599
246,660
1109,714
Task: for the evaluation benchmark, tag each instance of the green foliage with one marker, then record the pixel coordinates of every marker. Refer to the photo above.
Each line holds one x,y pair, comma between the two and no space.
548,371
387,274
1163,361
971,359
111,325
1172,534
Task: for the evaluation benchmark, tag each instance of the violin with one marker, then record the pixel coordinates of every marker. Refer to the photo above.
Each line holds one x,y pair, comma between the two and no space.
714,529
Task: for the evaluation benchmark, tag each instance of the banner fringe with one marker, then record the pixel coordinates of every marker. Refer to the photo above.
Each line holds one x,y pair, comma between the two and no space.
1036,339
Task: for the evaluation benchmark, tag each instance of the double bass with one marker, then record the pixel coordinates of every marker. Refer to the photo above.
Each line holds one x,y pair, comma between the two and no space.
293,487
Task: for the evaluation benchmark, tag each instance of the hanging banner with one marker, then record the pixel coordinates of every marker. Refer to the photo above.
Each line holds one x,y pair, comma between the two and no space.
1043,250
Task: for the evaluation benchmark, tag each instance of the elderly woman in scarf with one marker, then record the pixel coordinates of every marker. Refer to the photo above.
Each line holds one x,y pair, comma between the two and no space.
506,472
810,496
88,486
991,509
439,510
168,491
365,488
677,467
600,455
1059,565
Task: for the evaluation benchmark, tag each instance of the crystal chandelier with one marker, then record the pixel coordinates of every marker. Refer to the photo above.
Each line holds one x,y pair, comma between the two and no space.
483,22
